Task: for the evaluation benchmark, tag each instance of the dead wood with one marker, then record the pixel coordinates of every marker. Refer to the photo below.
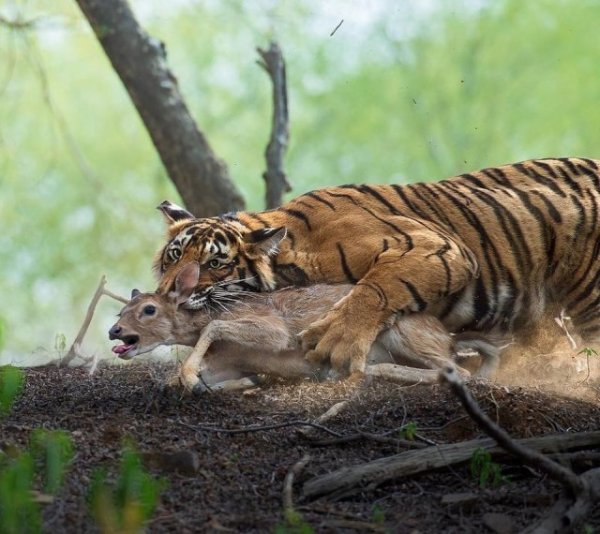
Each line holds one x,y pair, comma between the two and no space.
354,479
401,374
201,178
275,178
530,457
288,483
75,349
582,492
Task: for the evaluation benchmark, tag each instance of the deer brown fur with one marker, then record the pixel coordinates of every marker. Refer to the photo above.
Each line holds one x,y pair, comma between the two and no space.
258,333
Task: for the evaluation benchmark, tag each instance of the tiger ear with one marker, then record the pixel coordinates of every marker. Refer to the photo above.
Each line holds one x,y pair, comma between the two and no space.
173,213
264,241
185,282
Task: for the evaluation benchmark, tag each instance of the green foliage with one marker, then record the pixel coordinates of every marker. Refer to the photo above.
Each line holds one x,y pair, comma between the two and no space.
52,451
484,470
11,384
409,431
60,344
293,523
404,91
19,514
377,515
588,351
125,506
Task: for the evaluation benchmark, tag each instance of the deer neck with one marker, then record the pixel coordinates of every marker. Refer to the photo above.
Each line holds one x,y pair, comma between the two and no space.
188,325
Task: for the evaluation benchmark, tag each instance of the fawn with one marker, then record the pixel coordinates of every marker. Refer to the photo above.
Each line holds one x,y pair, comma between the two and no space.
257,334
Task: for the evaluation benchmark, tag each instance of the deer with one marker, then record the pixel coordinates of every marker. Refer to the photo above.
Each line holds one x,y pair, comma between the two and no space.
258,334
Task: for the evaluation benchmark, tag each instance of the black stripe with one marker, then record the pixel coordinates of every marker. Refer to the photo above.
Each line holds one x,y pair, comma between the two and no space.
394,227
314,196
539,178
472,179
421,304
590,162
351,278
258,218
440,254
432,205
590,174
298,215
569,181
383,300
549,206
400,192
375,194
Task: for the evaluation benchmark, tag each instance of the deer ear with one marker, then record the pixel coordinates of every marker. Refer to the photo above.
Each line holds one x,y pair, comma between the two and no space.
173,213
135,293
186,281
264,241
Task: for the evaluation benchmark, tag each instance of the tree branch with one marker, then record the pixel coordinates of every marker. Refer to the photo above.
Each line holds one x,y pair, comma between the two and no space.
530,457
276,182
140,61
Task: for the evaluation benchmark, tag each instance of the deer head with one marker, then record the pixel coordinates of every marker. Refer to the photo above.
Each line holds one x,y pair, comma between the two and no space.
151,319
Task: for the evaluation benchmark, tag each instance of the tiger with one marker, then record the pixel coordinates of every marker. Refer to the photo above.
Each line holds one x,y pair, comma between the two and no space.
489,251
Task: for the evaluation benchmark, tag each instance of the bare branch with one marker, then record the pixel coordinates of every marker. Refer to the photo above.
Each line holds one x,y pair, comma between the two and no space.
532,458
354,479
259,428
74,351
288,483
275,178
201,178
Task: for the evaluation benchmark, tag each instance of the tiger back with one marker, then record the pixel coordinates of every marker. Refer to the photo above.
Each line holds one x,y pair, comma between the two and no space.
486,251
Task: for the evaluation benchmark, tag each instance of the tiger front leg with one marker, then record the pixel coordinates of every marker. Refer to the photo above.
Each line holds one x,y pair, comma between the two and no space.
400,281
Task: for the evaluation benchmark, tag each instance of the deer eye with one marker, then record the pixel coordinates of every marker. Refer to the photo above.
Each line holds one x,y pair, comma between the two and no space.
149,310
214,264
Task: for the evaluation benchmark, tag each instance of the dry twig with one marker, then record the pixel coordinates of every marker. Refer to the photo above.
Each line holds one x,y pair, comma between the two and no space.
75,349
582,492
275,178
288,483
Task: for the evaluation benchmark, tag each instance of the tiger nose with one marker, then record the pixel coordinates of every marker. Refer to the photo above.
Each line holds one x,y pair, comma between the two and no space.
114,332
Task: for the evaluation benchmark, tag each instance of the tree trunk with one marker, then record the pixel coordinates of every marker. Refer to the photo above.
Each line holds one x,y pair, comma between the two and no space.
201,178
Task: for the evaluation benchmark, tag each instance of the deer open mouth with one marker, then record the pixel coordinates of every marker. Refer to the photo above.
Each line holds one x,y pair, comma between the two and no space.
126,350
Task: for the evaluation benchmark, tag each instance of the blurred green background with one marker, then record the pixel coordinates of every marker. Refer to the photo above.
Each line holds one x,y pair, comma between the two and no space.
403,91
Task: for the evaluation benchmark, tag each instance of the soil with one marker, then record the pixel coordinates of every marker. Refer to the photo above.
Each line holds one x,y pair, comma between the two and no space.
237,483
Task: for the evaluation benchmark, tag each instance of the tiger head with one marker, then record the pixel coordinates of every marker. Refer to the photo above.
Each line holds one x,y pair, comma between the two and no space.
231,256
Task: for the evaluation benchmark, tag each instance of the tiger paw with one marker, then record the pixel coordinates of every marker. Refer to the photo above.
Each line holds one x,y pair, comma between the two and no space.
335,339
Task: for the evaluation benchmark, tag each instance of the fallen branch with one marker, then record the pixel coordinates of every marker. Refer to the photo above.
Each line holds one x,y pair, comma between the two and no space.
74,351
530,457
401,374
275,178
409,444
258,428
288,483
582,492
354,479
332,412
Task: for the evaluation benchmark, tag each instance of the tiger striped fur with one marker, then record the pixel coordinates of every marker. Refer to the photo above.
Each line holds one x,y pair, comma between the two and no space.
487,251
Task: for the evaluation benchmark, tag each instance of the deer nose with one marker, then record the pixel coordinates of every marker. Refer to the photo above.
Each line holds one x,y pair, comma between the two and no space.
114,332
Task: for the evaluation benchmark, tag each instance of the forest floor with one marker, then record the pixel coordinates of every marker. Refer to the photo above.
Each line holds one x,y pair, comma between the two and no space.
233,482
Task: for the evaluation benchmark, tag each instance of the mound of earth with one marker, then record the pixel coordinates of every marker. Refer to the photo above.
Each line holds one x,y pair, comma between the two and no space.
233,482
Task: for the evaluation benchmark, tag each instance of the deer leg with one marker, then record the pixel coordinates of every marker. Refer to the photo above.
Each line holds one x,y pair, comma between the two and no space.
267,333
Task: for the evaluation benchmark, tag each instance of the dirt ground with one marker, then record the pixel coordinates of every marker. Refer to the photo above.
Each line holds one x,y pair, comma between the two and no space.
238,481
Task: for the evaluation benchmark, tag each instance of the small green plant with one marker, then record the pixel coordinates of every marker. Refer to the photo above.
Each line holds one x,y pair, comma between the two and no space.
293,523
11,384
409,431
125,507
52,450
377,515
60,344
588,352
485,470
19,514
